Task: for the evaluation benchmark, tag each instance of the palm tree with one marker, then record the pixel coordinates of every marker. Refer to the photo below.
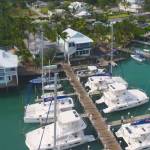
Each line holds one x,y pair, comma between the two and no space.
126,4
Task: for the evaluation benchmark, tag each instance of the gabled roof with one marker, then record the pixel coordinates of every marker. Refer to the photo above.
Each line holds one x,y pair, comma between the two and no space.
82,13
8,60
77,37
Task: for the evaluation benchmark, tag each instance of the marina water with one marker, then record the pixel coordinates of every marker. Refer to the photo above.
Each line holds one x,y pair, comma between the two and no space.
13,129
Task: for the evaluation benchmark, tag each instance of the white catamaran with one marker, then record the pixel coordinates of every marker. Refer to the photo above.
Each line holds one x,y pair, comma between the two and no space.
96,83
69,127
38,112
136,135
118,97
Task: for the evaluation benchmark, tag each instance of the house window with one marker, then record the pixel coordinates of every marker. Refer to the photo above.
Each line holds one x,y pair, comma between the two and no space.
71,44
1,78
83,46
81,52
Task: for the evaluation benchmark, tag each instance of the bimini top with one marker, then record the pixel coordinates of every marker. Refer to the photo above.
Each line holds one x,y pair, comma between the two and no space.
77,37
8,60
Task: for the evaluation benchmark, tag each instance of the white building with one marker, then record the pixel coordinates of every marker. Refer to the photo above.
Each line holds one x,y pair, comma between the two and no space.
76,44
8,69
79,9
134,6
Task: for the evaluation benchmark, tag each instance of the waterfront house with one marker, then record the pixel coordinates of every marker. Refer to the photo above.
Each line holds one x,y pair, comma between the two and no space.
134,6
8,69
79,9
75,44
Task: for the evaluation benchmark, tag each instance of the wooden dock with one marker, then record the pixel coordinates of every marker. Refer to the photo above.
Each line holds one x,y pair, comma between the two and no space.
145,54
129,120
104,134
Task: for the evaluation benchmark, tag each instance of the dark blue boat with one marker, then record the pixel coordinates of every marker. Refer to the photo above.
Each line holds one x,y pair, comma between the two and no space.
142,121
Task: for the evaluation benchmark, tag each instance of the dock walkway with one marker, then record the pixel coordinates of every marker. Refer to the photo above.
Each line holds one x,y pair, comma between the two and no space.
104,134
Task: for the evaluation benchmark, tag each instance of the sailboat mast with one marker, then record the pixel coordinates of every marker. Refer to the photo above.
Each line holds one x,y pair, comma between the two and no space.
55,109
112,46
42,63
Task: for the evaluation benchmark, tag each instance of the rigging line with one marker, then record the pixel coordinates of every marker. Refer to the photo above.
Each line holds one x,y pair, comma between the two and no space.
45,123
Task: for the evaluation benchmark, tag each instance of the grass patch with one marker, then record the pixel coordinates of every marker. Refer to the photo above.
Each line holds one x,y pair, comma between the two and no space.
19,12
120,15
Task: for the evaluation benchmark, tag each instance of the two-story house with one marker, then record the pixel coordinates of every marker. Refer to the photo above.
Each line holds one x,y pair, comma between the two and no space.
8,69
76,43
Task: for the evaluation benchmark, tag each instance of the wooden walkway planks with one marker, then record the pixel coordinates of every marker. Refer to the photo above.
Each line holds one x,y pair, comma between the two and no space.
104,134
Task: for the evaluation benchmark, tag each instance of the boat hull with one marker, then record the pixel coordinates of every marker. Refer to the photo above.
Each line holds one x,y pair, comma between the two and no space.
109,110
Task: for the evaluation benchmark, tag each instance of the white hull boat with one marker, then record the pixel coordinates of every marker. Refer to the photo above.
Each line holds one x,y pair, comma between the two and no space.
43,112
146,50
51,87
91,71
69,133
98,83
136,135
138,58
121,98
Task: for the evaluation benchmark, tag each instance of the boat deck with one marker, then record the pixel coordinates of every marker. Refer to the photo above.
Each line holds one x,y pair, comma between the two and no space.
104,134
129,120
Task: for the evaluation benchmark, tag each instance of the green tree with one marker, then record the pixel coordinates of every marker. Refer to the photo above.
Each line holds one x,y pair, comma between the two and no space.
125,32
147,5
126,4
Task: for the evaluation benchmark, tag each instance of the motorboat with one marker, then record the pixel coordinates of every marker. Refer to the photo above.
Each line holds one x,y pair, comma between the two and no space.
96,83
38,112
138,57
146,50
136,135
91,71
69,133
118,97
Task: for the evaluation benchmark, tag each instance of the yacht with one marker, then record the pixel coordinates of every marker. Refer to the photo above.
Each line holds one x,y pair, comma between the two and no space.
38,112
138,58
118,97
69,133
136,135
90,71
96,83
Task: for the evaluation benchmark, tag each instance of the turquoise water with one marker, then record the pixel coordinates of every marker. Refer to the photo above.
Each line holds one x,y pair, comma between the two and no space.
138,76
13,129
